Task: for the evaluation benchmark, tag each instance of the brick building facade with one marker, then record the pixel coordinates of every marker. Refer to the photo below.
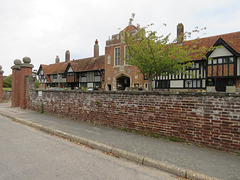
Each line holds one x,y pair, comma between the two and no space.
118,74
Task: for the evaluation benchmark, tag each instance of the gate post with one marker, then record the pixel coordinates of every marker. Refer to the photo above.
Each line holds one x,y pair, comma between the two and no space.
1,83
16,73
26,70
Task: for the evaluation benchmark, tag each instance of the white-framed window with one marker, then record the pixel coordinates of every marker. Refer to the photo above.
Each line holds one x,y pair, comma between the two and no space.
195,83
64,75
97,73
146,85
117,56
83,74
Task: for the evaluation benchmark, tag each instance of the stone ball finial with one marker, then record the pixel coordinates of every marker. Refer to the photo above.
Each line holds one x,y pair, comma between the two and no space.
1,71
26,60
17,62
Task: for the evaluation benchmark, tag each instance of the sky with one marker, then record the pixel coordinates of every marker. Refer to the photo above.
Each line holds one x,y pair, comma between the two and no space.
42,29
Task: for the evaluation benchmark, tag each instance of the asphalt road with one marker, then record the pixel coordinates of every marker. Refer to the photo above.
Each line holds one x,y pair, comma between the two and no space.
26,153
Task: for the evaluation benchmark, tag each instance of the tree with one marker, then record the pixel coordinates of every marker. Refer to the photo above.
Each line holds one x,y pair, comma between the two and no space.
155,55
7,81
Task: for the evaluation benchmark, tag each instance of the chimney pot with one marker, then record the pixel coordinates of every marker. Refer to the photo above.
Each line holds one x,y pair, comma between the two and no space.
57,60
96,49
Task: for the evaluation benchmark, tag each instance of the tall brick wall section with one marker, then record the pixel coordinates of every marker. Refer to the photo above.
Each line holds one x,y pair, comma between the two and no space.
209,119
1,84
237,83
15,87
19,72
25,71
16,75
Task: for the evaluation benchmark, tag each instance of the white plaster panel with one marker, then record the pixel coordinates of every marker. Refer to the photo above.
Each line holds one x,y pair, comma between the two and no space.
89,84
70,69
176,84
203,83
221,51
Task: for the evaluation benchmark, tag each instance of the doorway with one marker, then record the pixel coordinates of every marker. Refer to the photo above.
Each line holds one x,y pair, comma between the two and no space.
221,85
123,82
109,87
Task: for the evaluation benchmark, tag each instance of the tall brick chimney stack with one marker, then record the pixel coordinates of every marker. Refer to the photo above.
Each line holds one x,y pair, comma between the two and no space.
67,56
57,59
96,49
180,33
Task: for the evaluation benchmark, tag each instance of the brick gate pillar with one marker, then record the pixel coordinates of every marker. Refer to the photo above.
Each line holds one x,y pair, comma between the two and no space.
26,70
1,83
16,74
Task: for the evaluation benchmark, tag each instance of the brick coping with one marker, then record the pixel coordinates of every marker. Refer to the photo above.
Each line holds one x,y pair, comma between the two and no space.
164,93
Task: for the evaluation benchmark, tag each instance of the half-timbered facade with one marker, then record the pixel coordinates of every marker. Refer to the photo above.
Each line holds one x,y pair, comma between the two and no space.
88,72
193,78
223,67
52,75
219,71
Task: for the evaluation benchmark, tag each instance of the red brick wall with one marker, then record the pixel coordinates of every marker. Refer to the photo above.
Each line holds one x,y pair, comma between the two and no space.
25,71
19,84
16,76
209,119
1,87
237,83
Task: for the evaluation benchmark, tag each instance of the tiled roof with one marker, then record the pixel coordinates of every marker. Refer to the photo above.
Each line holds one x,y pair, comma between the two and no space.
88,64
55,68
232,39
130,28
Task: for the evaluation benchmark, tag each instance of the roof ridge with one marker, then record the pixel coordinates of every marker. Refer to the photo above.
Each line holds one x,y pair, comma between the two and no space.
214,36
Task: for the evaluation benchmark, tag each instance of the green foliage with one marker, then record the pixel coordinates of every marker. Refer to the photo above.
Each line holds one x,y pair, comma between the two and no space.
37,84
7,81
155,55
7,89
42,108
83,88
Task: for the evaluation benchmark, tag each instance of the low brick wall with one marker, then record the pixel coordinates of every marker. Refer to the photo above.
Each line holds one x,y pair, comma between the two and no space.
209,119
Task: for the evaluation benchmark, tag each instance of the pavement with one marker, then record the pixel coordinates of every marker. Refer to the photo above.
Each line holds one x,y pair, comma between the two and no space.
182,159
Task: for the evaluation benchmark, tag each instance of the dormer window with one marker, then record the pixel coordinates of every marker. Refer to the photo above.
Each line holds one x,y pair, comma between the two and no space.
222,60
